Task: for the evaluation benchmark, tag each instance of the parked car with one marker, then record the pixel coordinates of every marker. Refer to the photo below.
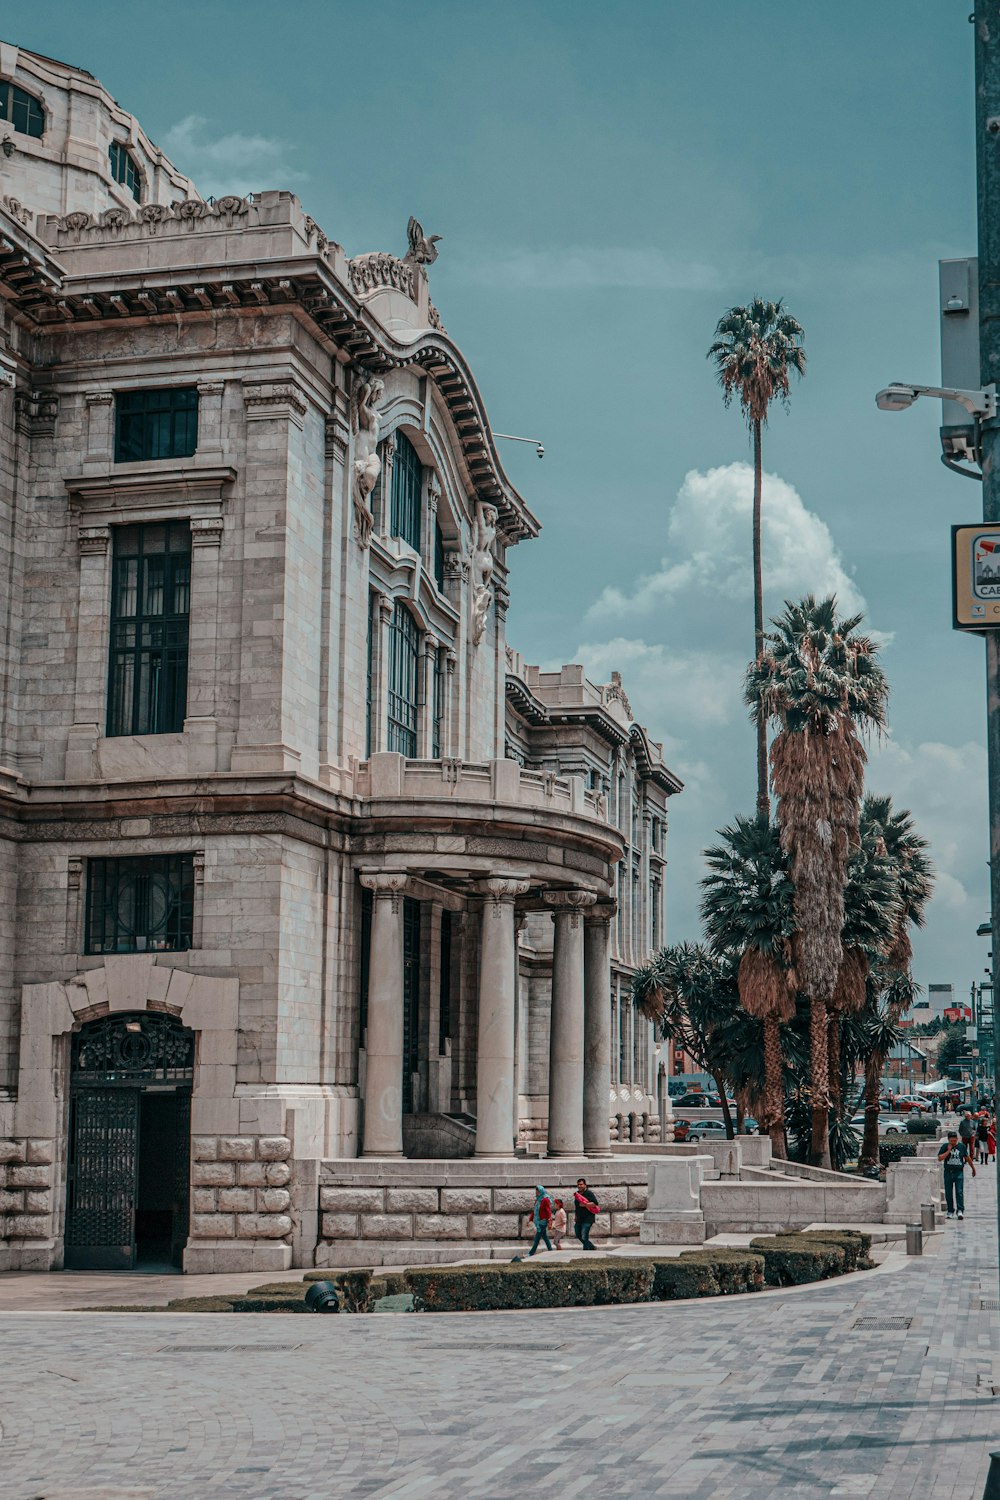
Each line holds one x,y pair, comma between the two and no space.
715,1130
903,1103
698,1101
886,1126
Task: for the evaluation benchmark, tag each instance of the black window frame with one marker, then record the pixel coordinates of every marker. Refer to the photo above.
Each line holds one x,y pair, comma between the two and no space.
406,494
148,645
156,422
109,879
125,169
16,101
403,682
439,556
437,704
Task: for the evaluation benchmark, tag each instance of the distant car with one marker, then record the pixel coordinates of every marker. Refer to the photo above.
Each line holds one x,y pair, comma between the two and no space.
711,1130
903,1103
697,1101
885,1126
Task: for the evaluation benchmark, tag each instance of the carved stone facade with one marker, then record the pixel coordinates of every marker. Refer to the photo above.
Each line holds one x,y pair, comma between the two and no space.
316,855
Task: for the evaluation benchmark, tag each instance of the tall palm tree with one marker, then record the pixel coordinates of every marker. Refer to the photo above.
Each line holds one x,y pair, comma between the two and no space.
748,915
756,349
820,681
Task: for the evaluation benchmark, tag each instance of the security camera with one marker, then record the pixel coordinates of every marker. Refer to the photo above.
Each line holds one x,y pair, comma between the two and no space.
540,451
993,124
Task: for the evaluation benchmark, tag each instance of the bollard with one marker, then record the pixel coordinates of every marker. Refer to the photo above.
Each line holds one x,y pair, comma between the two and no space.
992,1490
928,1218
914,1239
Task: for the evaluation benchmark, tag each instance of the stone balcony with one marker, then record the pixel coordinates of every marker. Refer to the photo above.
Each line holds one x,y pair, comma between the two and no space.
495,781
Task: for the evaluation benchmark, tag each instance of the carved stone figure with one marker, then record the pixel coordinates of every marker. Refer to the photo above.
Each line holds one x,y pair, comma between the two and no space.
482,568
365,425
423,247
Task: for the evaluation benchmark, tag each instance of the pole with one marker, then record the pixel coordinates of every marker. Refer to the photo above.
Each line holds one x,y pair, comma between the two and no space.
986,21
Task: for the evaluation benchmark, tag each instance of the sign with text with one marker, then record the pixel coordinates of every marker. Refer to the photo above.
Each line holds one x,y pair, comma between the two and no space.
975,559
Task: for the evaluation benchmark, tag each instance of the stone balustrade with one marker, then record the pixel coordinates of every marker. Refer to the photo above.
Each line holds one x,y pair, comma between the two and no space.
389,775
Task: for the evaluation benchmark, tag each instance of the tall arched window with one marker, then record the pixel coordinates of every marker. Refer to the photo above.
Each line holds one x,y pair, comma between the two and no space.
124,169
405,500
403,662
21,110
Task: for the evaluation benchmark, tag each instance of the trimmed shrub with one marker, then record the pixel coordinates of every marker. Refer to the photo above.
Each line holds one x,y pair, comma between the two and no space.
708,1273
500,1286
356,1289
855,1245
198,1304
892,1151
269,1305
793,1259
922,1125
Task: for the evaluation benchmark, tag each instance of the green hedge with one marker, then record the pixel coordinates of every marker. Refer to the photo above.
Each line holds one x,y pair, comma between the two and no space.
792,1259
891,1151
494,1286
708,1273
917,1124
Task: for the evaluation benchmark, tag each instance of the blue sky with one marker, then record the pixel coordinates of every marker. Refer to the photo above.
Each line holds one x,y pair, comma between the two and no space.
608,179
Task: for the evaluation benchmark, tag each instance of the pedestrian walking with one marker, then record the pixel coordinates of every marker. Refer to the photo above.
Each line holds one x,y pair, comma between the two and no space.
558,1222
586,1209
541,1217
967,1130
991,1138
956,1156
982,1140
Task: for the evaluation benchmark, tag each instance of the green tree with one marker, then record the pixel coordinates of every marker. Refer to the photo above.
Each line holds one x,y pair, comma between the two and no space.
693,996
747,911
756,349
951,1049
819,680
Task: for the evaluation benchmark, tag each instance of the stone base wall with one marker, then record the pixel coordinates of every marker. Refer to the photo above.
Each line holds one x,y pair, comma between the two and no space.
376,1212
26,1204
241,1197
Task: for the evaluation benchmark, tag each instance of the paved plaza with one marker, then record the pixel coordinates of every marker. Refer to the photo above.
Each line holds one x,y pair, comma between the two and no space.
783,1394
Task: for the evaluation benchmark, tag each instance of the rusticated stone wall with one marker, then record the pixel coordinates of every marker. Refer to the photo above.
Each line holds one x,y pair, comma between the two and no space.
26,1170
240,1189
389,1213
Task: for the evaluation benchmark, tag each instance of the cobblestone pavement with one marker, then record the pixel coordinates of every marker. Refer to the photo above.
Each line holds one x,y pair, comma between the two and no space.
769,1397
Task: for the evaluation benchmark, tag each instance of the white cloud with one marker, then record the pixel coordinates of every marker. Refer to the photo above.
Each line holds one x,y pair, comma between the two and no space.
583,267
233,163
672,691
709,547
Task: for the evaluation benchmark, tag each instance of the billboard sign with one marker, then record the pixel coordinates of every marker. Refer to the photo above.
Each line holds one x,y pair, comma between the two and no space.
975,557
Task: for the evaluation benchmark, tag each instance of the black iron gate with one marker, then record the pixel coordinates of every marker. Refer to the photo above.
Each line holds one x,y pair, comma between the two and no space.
113,1062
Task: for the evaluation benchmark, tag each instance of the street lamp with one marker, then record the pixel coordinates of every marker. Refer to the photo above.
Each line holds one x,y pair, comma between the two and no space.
509,437
898,397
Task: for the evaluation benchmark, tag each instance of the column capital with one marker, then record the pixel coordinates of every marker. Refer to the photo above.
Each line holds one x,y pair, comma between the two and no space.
602,912
502,890
569,903
389,884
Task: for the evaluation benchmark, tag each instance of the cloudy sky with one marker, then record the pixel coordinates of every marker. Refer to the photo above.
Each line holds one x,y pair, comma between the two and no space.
608,179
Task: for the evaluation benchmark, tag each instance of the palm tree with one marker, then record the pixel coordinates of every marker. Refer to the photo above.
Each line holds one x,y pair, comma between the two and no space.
748,916
755,350
821,683
692,996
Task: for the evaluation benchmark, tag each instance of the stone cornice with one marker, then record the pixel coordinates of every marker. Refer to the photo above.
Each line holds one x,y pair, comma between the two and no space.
125,484
306,285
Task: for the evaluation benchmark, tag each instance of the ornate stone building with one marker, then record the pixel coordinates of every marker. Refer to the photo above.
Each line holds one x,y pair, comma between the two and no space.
274,800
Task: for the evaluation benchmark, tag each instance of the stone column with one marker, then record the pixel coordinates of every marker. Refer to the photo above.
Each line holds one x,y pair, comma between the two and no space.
597,1032
383,1097
497,1013
566,1035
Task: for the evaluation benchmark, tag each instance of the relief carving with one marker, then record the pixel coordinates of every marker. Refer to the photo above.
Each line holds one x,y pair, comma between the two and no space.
365,424
482,568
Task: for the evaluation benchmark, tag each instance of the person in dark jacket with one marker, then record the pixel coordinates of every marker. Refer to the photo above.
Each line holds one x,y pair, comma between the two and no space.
585,1211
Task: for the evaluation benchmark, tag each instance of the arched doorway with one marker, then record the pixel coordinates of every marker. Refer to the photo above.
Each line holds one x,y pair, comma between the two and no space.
129,1143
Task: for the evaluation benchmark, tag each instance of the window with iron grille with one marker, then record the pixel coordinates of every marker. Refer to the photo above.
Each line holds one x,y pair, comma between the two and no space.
141,904
654,899
439,557
369,703
437,707
407,485
124,169
367,907
403,653
150,599
444,990
22,110
156,424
